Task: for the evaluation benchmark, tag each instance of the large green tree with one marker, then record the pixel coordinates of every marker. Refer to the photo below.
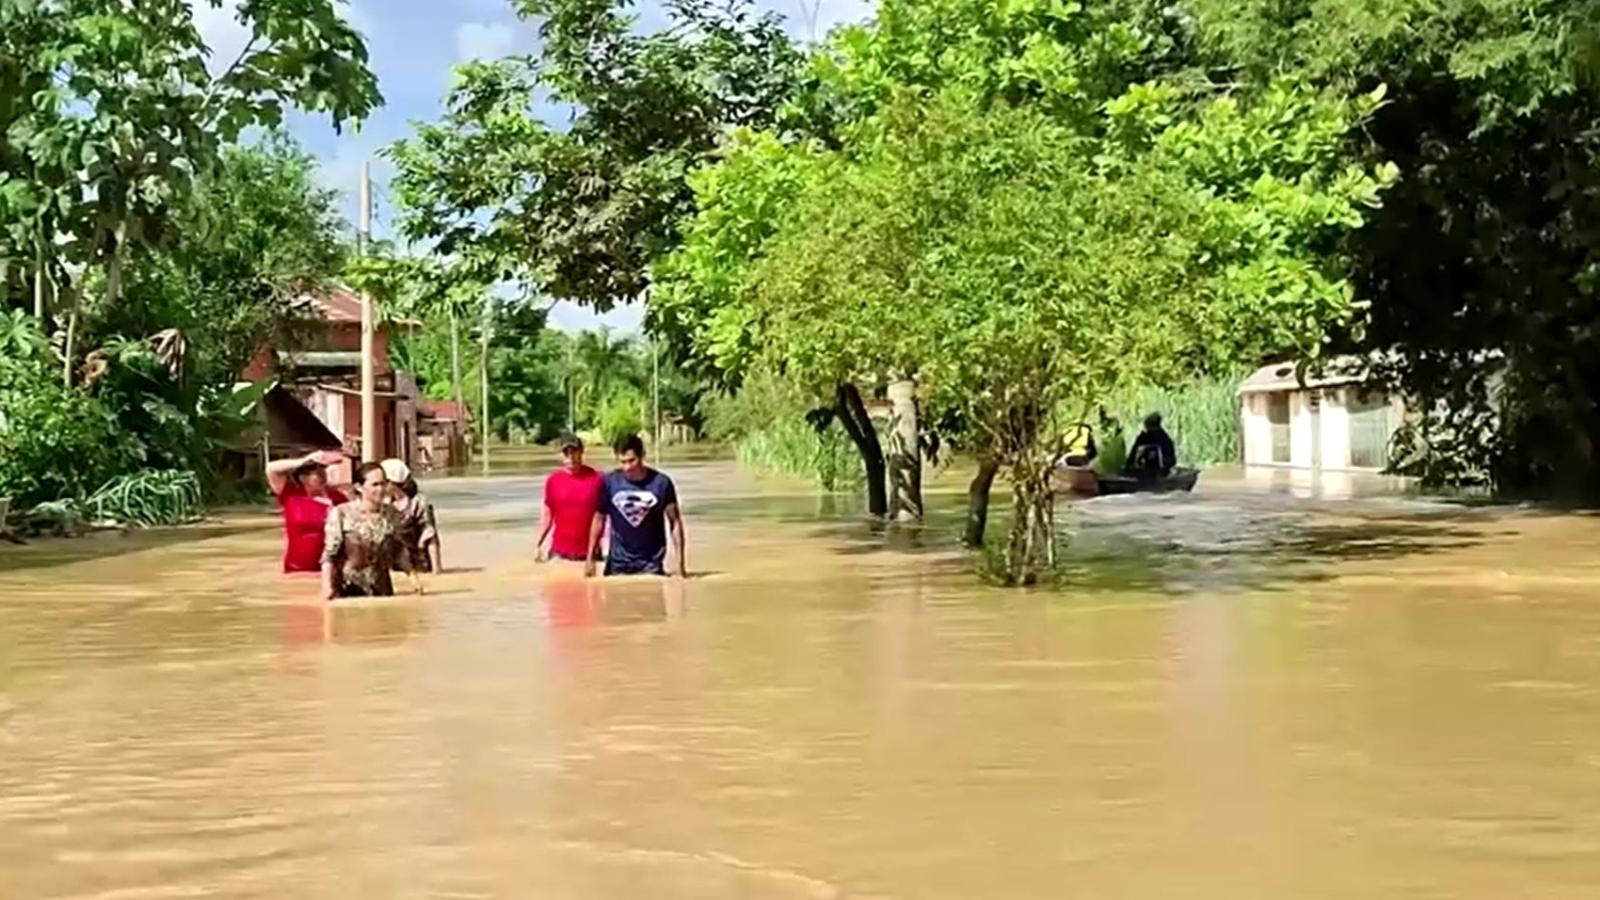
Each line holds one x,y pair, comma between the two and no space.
109,113
258,235
1024,271
580,209
1482,268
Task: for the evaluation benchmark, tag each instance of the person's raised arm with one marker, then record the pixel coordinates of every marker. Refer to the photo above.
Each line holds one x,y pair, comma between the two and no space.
675,519
278,471
597,527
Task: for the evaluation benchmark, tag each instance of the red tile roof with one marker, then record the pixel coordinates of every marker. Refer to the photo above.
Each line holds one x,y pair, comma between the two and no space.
341,305
337,305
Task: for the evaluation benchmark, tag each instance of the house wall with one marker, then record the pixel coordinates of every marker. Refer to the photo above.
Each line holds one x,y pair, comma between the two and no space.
335,336
1332,435
1335,429
1300,430
347,336
1257,430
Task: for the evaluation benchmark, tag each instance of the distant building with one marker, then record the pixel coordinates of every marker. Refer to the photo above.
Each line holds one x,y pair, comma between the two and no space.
444,433
325,378
1339,419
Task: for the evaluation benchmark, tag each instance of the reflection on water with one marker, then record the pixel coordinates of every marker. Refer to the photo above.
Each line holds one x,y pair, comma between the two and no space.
1243,693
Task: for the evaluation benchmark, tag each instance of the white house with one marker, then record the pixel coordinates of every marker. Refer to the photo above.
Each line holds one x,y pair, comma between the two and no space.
1336,420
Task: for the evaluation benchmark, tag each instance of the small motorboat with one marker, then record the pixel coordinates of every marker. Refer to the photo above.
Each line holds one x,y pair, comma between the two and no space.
1089,483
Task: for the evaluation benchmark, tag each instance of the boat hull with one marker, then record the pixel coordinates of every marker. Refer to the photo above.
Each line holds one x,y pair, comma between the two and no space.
1089,483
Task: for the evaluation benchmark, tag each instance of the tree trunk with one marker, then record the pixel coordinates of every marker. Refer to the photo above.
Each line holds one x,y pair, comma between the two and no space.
853,416
1031,547
67,347
905,456
978,502
39,278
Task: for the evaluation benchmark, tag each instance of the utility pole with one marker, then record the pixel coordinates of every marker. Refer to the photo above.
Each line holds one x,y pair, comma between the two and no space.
655,379
369,380
483,368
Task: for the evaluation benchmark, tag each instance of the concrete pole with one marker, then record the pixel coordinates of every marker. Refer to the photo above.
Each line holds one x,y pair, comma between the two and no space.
369,378
483,370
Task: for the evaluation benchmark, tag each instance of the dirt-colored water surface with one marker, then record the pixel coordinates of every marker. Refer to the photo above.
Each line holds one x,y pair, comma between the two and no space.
1241,694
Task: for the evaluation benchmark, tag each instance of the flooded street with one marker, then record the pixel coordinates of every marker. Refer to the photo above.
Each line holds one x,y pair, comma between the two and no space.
1242,694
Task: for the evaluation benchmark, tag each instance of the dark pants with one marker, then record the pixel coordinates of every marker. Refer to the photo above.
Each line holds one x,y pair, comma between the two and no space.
636,567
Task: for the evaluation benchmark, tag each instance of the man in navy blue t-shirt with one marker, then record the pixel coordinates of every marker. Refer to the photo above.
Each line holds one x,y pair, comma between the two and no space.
639,503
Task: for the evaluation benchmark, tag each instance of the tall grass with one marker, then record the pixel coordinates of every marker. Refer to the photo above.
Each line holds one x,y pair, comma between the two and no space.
790,446
1202,417
766,424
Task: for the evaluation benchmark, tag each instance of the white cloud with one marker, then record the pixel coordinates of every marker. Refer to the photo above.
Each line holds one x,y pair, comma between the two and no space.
359,19
483,40
223,33
226,36
625,319
341,172
813,19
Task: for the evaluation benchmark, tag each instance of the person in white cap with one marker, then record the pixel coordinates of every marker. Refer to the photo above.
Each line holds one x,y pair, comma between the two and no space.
419,531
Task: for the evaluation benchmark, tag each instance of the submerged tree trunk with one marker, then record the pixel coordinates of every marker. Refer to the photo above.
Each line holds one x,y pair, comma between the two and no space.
978,502
1030,550
905,456
853,416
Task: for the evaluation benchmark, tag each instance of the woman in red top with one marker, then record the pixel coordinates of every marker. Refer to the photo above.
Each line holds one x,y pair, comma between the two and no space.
301,486
571,496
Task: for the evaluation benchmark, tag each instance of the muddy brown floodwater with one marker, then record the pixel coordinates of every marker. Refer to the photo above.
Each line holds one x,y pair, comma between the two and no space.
1242,694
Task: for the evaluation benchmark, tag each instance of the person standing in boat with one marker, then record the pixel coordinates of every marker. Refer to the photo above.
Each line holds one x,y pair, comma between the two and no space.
1154,455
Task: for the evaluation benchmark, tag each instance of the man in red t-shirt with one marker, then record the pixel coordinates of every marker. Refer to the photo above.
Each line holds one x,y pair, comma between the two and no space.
571,497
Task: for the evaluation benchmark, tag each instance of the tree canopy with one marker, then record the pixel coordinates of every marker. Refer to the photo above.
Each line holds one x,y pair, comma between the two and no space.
579,209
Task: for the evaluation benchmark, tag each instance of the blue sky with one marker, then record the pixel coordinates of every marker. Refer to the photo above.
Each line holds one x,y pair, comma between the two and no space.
414,44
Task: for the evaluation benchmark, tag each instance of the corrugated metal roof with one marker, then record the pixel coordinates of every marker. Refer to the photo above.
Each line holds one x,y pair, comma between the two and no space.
1332,372
322,359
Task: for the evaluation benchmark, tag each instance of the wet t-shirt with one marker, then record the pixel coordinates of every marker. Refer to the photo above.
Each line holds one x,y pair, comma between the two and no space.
304,520
636,513
573,496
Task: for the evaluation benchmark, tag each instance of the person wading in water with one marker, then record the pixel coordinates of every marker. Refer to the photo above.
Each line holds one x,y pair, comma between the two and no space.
419,528
571,498
301,486
638,504
362,543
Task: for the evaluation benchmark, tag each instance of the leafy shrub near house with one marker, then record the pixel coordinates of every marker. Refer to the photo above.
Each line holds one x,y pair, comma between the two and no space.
55,441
